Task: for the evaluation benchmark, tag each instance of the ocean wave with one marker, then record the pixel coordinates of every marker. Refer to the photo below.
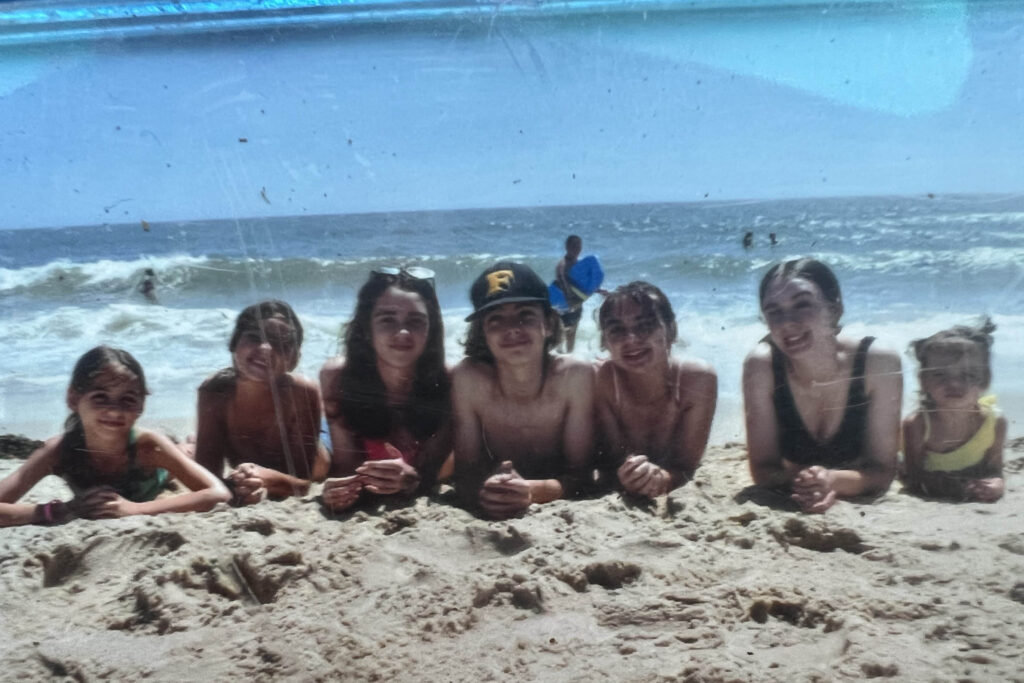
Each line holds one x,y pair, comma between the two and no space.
181,280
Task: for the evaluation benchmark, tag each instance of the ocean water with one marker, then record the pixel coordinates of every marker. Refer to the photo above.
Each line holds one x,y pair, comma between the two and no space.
908,267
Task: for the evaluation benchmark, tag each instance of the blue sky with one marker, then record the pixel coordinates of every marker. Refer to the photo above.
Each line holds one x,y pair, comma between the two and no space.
677,106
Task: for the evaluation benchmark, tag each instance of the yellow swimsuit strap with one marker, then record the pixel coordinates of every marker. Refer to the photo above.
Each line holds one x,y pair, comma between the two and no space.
972,451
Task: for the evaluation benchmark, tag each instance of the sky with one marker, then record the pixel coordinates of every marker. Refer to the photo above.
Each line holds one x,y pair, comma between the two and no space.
863,98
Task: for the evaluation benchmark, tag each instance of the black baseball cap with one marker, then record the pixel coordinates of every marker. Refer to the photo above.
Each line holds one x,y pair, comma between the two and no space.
506,283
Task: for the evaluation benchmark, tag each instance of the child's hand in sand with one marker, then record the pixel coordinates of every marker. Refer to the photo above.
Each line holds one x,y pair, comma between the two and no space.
247,483
101,502
387,477
813,489
642,477
984,490
342,492
505,494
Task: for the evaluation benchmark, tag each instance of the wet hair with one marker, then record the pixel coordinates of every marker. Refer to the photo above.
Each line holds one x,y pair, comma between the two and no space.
252,318
573,239
476,340
811,270
956,341
83,380
363,405
651,300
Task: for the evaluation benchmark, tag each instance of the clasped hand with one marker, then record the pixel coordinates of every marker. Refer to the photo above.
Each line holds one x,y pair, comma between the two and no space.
505,494
246,482
642,477
813,489
101,502
383,477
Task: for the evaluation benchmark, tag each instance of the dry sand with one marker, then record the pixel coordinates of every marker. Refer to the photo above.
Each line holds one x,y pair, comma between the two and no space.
709,584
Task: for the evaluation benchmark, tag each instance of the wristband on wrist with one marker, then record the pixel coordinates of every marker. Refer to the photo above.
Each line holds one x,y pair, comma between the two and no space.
51,513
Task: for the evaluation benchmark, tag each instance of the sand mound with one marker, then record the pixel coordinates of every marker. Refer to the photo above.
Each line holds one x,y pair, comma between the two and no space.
715,582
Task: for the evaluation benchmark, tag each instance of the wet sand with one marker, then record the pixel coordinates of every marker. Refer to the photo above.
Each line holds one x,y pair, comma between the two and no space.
716,582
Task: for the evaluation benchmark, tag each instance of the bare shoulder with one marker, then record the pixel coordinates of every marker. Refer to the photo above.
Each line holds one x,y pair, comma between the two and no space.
303,385
604,377
1001,424
331,369
883,369
882,358
49,450
759,360
694,370
221,382
572,371
150,438
913,424
471,377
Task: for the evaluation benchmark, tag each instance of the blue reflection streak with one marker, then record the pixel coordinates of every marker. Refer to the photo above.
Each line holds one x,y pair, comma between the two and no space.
39,22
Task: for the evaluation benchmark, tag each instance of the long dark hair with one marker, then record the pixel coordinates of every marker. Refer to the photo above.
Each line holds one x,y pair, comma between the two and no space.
363,405
83,379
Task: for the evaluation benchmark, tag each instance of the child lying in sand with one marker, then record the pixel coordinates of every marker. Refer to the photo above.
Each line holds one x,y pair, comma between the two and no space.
655,411
523,417
953,444
113,469
259,418
387,401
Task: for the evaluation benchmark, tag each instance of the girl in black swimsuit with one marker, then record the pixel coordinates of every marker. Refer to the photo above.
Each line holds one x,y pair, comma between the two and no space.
822,411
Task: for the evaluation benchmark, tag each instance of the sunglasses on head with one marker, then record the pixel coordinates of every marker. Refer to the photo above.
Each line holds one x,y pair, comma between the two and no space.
401,272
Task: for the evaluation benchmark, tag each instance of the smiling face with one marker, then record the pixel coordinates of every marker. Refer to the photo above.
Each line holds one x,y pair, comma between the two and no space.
399,325
635,337
797,314
516,332
266,351
112,402
953,377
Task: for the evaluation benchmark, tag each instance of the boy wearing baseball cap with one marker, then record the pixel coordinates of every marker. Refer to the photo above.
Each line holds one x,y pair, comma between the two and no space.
523,416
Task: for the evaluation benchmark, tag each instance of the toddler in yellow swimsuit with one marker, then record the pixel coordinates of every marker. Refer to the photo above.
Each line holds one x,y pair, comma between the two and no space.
953,444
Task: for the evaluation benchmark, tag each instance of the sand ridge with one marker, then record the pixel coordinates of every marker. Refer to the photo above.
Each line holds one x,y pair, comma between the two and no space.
716,582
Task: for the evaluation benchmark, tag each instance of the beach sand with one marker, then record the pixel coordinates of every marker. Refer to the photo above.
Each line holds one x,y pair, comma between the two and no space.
711,583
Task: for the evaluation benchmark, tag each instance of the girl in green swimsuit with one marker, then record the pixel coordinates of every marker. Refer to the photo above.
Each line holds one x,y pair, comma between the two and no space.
112,469
953,444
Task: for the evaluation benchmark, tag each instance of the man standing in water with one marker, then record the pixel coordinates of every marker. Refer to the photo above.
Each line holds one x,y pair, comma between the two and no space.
523,416
570,319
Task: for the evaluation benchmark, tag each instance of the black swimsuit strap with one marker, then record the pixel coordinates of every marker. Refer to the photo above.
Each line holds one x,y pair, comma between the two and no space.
795,442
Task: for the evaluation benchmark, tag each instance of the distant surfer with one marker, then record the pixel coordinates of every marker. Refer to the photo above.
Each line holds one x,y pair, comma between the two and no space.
148,286
772,238
575,280
748,240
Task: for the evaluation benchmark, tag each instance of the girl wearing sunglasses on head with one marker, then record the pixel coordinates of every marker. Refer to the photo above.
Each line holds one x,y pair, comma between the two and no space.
387,400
